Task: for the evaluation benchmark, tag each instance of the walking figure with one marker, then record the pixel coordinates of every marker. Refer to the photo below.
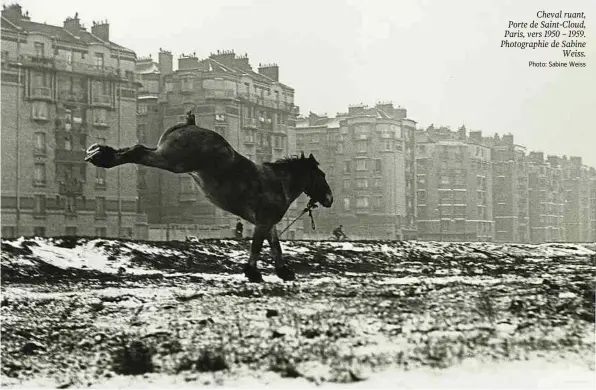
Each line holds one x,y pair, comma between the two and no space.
239,229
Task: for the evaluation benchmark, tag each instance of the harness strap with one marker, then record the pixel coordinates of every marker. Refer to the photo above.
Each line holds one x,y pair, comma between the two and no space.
308,209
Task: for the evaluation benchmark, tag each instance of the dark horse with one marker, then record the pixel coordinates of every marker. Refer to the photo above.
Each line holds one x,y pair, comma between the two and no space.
258,193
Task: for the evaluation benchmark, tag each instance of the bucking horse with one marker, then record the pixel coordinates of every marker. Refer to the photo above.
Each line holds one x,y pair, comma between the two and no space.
259,193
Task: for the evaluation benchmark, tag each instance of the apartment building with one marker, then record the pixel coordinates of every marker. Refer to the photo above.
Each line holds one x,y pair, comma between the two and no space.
454,185
510,189
546,198
253,110
64,88
364,155
578,211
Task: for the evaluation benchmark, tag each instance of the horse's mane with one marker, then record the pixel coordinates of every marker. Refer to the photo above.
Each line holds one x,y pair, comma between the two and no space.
292,162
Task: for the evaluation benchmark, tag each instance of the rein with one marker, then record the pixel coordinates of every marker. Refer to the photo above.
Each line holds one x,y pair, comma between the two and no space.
308,209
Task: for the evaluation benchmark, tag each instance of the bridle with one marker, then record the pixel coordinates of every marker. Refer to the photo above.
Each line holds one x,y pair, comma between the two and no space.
310,206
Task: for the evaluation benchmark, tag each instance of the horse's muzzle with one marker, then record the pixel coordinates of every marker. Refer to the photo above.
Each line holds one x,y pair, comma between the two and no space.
328,201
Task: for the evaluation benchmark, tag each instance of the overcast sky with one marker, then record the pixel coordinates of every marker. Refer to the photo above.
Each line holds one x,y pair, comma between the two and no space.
440,59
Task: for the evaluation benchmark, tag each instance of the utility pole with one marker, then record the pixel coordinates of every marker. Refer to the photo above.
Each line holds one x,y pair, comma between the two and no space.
119,86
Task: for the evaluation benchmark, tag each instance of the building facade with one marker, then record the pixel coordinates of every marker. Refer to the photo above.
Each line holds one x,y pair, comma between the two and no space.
364,155
454,184
254,111
63,89
510,189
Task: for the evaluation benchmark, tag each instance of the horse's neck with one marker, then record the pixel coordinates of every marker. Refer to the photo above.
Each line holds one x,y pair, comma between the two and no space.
293,184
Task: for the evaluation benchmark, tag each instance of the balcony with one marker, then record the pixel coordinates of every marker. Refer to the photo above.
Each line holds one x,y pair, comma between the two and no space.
70,187
220,94
71,156
187,197
101,100
41,93
53,63
250,123
70,96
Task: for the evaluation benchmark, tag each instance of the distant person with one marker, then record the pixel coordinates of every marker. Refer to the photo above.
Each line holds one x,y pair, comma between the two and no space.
239,229
339,233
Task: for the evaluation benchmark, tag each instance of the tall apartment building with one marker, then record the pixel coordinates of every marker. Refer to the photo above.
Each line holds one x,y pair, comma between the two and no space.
254,111
546,198
576,181
364,155
454,183
64,88
510,189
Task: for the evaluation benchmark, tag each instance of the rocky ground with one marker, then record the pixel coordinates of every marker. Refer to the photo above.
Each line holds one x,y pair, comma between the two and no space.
80,312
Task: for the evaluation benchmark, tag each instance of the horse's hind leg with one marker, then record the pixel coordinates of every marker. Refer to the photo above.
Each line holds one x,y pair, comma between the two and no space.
107,157
250,269
281,269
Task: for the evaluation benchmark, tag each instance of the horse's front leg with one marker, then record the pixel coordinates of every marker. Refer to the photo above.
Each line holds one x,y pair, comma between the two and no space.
281,269
250,269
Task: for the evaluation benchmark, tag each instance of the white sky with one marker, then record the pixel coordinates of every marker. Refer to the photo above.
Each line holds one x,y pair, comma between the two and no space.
441,59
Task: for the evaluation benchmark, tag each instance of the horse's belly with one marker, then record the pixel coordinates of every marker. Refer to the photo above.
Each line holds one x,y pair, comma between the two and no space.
221,196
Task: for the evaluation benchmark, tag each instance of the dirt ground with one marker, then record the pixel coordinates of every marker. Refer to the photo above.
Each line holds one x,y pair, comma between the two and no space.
99,313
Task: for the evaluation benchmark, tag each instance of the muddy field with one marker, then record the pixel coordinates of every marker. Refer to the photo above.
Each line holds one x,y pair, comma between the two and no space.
82,312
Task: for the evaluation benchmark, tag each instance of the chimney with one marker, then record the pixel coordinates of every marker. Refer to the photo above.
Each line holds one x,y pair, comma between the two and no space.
270,70
476,136
242,62
536,157
101,30
225,57
356,109
14,12
73,25
461,133
188,61
508,139
554,161
165,62
312,118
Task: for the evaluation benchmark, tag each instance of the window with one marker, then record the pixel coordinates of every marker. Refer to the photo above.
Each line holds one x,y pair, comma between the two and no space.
377,183
8,231
101,232
99,60
186,84
388,145
39,231
71,206
361,165
362,183
362,202
39,204
347,166
377,166
39,48
340,147
67,143
40,143
249,137
362,146
346,204
70,231
377,202
220,117
100,117
346,184
278,143
186,186
39,110
314,139
39,174
100,206
100,176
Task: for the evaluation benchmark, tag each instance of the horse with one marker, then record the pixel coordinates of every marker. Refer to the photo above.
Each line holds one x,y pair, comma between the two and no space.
258,193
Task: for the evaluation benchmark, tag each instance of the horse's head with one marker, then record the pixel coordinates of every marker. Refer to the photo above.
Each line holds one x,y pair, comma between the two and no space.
316,186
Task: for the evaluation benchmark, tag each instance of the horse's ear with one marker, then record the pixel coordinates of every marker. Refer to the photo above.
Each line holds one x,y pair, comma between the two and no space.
301,154
311,157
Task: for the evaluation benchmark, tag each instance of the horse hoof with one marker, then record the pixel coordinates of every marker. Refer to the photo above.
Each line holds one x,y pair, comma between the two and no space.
285,273
253,274
101,155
